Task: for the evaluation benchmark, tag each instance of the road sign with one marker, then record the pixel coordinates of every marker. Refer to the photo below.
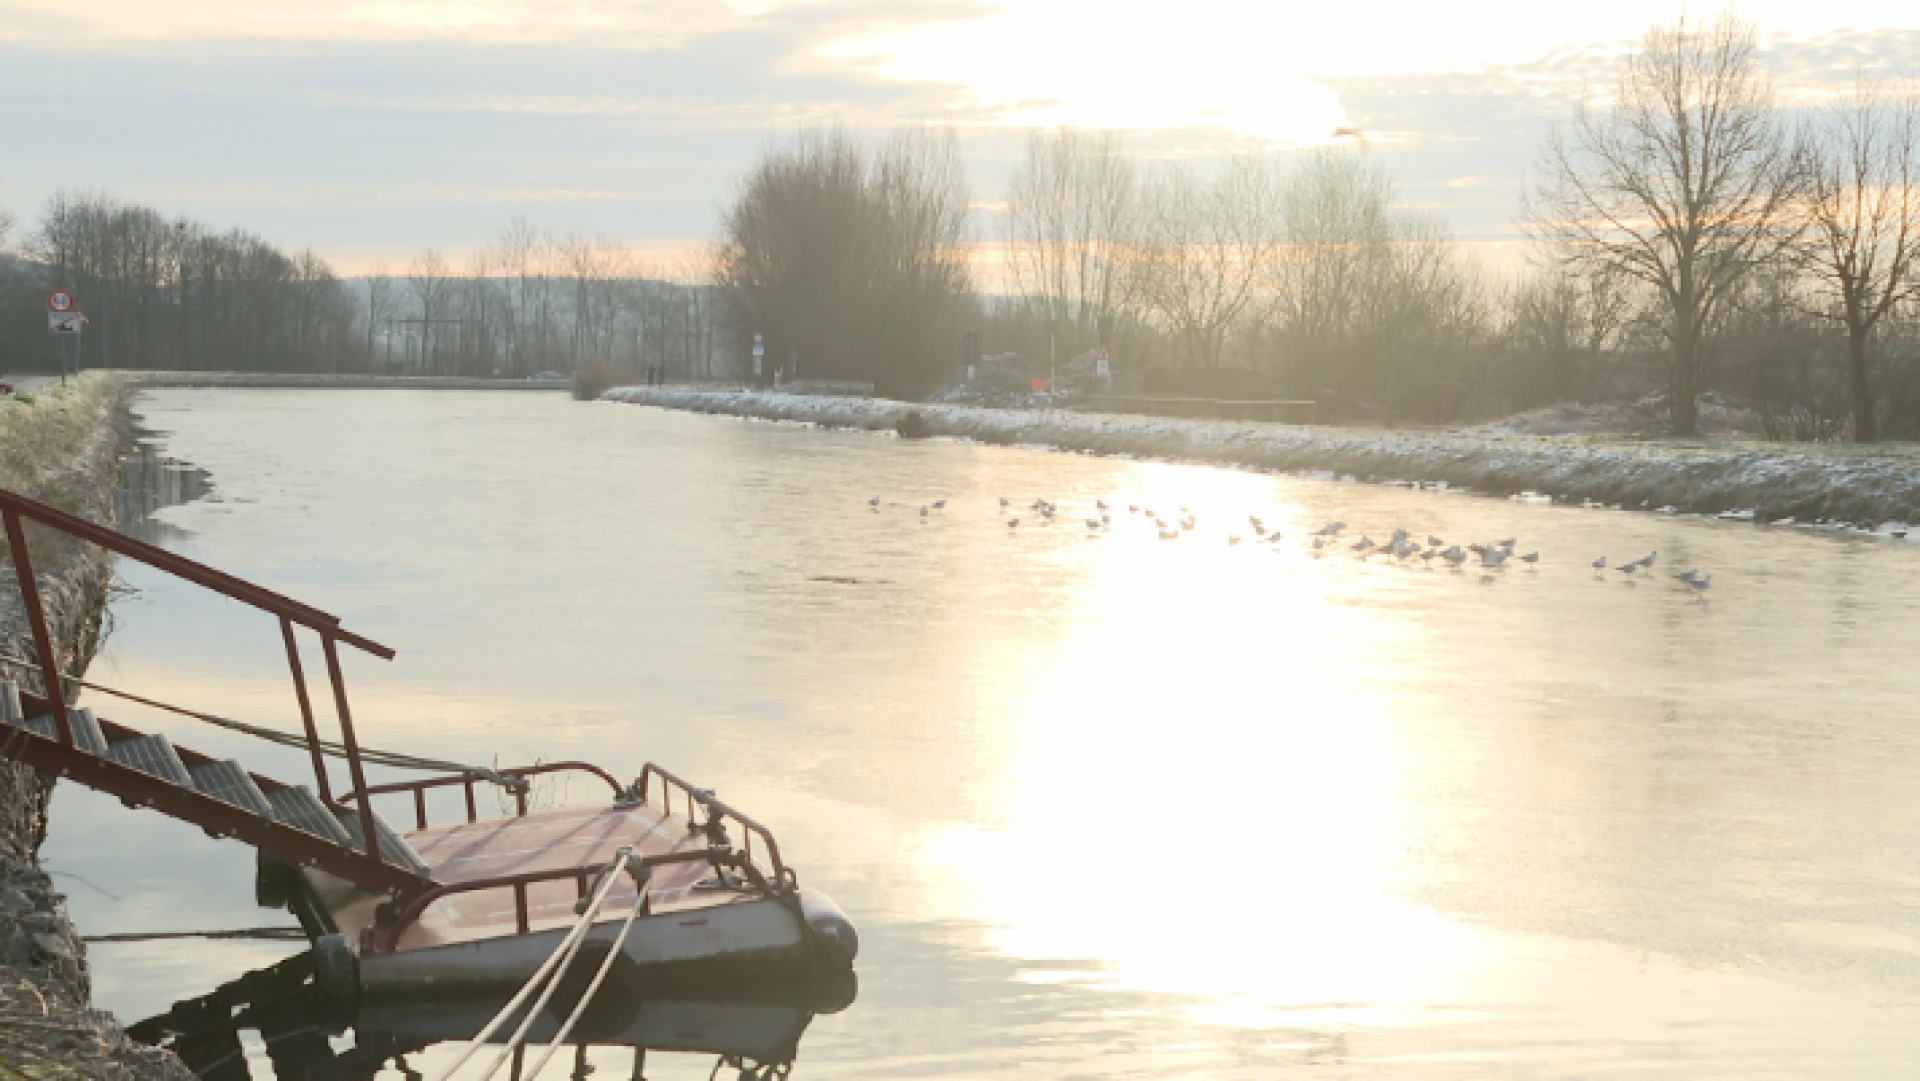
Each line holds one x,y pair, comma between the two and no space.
759,346
66,322
1102,366
59,301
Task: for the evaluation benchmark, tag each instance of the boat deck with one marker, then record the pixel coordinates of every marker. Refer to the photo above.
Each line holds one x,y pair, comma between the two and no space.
542,841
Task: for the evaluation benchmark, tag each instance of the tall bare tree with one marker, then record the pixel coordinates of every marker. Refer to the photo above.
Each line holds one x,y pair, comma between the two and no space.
1686,179
381,304
1070,205
1203,248
850,258
428,279
1865,211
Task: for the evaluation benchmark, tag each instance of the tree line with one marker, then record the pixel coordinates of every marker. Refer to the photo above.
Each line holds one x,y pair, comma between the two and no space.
1692,242
172,293
1693,246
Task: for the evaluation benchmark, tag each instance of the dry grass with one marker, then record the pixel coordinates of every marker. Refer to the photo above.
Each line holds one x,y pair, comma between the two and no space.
51,447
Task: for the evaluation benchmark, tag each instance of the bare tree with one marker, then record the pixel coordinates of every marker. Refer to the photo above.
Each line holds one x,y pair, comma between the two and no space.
850,259
381,305
1203,249
427,277
1865,211
1069,208
1686,180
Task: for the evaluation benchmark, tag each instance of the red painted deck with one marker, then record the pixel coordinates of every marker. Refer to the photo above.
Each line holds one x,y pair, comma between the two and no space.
548,840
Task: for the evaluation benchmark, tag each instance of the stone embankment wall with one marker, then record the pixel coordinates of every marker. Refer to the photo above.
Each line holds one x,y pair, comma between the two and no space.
1855,485
62,447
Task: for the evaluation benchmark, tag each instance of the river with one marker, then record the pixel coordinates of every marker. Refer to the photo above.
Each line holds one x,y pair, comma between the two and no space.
1101,804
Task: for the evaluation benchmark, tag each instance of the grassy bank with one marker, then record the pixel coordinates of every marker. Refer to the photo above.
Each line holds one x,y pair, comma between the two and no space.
1857,485
62,447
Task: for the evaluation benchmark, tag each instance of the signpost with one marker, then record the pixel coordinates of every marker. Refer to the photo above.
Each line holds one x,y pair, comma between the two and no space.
65,318
759,353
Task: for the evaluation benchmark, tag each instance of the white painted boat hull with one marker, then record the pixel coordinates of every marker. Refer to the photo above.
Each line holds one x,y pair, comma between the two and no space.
755,932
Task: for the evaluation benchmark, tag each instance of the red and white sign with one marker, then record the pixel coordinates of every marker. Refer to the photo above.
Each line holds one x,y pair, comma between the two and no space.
59,301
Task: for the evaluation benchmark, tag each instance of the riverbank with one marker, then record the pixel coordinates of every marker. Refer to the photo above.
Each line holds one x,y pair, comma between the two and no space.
1863,486
344,381
61,446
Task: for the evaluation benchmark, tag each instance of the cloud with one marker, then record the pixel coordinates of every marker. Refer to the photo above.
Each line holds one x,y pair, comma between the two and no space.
360,126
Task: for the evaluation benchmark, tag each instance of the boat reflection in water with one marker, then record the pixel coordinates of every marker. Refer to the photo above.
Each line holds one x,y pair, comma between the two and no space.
755,1031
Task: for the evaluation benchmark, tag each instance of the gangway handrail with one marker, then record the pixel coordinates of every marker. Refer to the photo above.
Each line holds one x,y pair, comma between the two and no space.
15,508
716,808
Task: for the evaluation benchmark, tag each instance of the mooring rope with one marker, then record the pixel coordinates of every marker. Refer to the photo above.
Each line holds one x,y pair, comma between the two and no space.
555,966
395,759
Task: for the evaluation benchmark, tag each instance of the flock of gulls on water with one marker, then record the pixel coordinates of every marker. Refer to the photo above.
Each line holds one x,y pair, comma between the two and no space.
1400,545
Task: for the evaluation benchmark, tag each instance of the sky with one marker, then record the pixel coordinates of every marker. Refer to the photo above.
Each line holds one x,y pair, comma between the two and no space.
371,129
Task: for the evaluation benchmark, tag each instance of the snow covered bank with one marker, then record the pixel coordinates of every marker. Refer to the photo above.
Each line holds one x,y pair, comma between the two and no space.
1807,482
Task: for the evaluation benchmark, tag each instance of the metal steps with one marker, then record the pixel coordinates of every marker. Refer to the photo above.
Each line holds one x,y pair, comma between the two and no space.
229,782
86,731
297,806
393,849
152,754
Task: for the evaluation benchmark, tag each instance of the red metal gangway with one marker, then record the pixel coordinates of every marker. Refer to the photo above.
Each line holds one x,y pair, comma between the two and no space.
318,840
60,753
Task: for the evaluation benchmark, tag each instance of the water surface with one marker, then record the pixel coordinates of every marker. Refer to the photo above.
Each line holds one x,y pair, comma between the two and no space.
1102,805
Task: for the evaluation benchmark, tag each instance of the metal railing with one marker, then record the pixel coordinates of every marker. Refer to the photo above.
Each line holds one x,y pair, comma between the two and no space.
386,936
717,811
17,509
1169,405
467,781
716,851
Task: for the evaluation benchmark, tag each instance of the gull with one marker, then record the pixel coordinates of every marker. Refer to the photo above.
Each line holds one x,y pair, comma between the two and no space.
1093,523
1454,555
874,502
1273,537
1647,560
1493,557
1429,554
1363,544
1600,564
923,512
1232,540
1477,549
1167,534
1013,523
1688,576
1133,508
1507,544
939,504
1530,557
1434,542
1100,503
1004,502
1318,542
1700,585
1628,568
